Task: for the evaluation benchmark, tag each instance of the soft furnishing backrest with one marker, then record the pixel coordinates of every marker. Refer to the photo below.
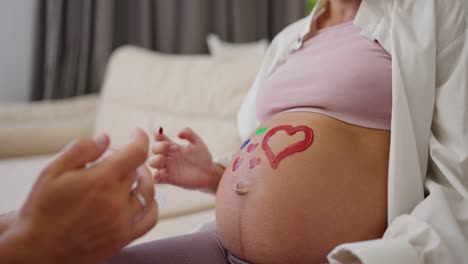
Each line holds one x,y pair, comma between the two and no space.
148,90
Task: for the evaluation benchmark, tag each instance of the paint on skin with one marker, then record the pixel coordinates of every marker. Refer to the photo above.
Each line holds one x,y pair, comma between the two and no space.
261,131
245,143
236,164
252,147
290,150
254,162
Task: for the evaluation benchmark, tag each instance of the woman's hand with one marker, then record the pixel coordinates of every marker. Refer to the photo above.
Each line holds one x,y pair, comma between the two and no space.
79,214
188,166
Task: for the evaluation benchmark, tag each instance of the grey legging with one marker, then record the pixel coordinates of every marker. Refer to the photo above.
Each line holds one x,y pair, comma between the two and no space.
197,248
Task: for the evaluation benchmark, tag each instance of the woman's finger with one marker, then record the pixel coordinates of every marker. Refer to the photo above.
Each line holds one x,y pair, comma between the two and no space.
161,176
190,135
161,147
157,162
160,136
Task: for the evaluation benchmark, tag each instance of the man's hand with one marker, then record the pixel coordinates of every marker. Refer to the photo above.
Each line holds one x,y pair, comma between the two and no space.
80,214
6,220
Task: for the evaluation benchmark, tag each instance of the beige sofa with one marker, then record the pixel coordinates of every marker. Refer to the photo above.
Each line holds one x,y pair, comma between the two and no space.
143,89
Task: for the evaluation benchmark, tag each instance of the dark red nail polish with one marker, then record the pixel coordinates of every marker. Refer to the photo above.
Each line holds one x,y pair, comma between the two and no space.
160,131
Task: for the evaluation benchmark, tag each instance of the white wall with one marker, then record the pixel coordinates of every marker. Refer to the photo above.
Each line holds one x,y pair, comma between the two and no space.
17,19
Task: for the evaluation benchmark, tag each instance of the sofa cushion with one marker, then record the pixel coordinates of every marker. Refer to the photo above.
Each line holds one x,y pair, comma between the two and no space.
36,128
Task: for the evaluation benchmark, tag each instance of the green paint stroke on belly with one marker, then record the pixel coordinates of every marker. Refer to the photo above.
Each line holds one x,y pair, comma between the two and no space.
261,131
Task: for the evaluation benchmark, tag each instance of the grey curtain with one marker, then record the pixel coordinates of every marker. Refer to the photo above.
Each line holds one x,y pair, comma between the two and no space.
76,37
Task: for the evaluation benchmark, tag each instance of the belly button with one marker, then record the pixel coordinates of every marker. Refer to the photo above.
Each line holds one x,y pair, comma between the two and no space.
241,189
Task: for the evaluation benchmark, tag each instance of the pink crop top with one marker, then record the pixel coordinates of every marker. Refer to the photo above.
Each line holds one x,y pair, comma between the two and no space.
338,73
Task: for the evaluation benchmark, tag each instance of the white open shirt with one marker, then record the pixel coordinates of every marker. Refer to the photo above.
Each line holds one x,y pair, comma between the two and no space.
428,165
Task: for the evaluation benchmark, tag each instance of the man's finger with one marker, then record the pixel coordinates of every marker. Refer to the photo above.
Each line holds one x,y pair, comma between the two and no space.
147,222
141,172
77,154
124,162
161,147
145,189
146,182
157,162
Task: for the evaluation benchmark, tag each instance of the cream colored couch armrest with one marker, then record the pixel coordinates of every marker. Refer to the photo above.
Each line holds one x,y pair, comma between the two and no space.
36,128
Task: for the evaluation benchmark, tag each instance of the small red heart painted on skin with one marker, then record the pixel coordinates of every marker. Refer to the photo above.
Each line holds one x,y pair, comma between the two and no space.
252,147
290,150
254,162
236,164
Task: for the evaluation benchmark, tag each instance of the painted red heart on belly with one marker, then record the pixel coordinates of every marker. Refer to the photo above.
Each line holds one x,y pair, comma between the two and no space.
290,150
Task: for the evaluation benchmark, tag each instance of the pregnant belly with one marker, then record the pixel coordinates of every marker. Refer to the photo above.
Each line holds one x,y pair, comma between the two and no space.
302,185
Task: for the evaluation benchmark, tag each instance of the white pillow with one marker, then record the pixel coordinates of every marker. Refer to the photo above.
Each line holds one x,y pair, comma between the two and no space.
220,48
